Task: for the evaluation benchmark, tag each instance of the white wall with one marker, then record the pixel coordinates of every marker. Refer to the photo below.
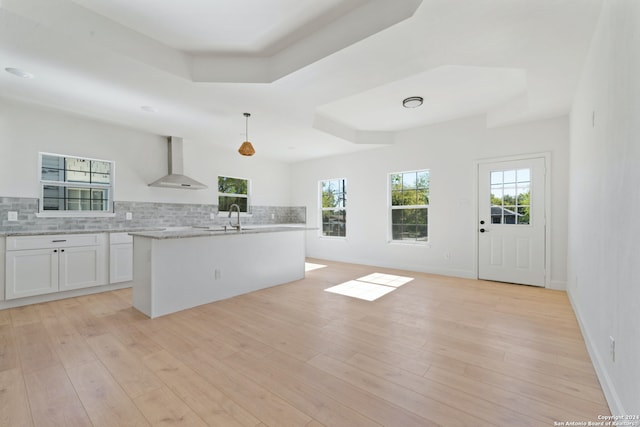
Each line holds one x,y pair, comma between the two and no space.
604,233
450,151
140,158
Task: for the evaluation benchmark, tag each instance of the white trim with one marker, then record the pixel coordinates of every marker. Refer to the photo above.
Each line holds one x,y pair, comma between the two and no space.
37,299
225,214
546,155
558,285
390,208
608,388
245,196
410,242
111,189
321,209
75,214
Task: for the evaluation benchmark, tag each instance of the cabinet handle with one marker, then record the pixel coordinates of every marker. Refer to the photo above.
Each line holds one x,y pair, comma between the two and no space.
61,250
55,241
55,250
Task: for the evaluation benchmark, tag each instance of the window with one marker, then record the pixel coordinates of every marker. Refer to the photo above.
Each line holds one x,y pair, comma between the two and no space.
333,211
75,184
409,206
511,196
233,191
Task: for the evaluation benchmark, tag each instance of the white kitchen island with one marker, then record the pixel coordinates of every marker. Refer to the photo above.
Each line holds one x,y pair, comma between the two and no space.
176,270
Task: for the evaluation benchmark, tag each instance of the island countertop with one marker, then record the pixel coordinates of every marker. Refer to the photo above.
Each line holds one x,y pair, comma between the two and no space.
160,232
187,232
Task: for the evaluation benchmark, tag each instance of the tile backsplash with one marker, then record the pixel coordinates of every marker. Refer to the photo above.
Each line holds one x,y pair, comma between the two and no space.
143,215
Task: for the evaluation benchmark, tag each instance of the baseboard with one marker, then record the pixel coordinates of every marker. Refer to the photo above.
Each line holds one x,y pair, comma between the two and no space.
19,302
557,285
610,393
464,274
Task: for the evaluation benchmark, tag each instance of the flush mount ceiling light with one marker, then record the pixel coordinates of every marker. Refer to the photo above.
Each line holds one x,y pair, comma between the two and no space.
246,149
19,73
412,102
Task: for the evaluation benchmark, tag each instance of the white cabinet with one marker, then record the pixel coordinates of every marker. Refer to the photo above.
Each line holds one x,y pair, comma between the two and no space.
37,265
120,257
31,272
2,263
81,267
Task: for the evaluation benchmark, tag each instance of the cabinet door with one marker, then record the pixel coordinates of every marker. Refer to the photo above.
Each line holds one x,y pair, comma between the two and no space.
121,263
31,272
82,267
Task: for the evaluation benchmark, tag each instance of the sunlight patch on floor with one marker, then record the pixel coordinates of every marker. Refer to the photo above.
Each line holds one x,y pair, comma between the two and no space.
370,287
386,279
309,266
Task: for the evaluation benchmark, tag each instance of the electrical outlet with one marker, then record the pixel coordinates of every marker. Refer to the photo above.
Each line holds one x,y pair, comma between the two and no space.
128,216
12,216
217,274
612,348
212,216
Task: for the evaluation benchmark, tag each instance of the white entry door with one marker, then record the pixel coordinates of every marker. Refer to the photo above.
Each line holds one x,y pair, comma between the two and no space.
511,216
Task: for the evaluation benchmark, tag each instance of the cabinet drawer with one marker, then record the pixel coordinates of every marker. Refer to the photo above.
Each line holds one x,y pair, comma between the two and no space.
118,238
16,243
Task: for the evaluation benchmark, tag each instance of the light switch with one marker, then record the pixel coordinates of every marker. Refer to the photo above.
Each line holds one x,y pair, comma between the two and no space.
12,216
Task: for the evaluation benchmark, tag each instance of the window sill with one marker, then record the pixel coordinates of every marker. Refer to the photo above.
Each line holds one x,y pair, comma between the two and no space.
320,236
409,243
70,214
225,214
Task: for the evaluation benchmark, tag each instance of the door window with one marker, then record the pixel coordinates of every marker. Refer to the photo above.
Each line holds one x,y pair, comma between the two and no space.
511,197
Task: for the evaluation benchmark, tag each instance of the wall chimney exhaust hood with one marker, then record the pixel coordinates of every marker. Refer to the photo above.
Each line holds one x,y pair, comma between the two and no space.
175,178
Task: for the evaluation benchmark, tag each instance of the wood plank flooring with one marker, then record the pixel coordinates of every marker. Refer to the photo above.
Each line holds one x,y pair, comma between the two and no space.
436,351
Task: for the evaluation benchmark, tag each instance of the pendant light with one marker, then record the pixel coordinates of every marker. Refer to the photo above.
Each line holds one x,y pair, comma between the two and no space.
246,149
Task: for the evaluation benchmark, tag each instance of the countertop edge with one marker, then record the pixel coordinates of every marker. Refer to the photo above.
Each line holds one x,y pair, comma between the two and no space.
169,232
185,234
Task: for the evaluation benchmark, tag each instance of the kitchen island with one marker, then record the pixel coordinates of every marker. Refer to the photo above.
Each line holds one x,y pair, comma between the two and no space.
180,269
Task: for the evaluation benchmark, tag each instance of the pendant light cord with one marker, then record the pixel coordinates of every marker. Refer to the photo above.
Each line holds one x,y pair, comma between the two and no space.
246,128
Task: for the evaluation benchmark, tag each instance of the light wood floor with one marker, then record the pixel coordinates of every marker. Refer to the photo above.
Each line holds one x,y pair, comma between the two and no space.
437,351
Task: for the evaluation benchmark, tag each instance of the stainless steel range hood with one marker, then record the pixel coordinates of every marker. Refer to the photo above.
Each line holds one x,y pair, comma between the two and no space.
175,178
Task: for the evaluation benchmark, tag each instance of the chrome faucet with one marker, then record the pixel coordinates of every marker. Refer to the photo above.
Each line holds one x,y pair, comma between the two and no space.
237,225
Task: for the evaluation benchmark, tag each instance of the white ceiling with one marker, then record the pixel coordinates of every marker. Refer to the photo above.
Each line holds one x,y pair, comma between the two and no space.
319,77
245,26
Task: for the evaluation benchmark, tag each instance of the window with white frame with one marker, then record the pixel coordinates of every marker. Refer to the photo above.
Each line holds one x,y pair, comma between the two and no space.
333,207
75,185
409,206
233,191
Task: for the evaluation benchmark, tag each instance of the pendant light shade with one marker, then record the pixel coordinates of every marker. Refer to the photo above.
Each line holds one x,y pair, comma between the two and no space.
246,149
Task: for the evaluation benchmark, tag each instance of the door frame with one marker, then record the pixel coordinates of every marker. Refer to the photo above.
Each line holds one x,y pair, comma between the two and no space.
546,155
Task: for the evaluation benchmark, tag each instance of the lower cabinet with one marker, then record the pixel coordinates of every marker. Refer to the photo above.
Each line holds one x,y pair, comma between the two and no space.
31,272
37,265
120,257
81,267
2,266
